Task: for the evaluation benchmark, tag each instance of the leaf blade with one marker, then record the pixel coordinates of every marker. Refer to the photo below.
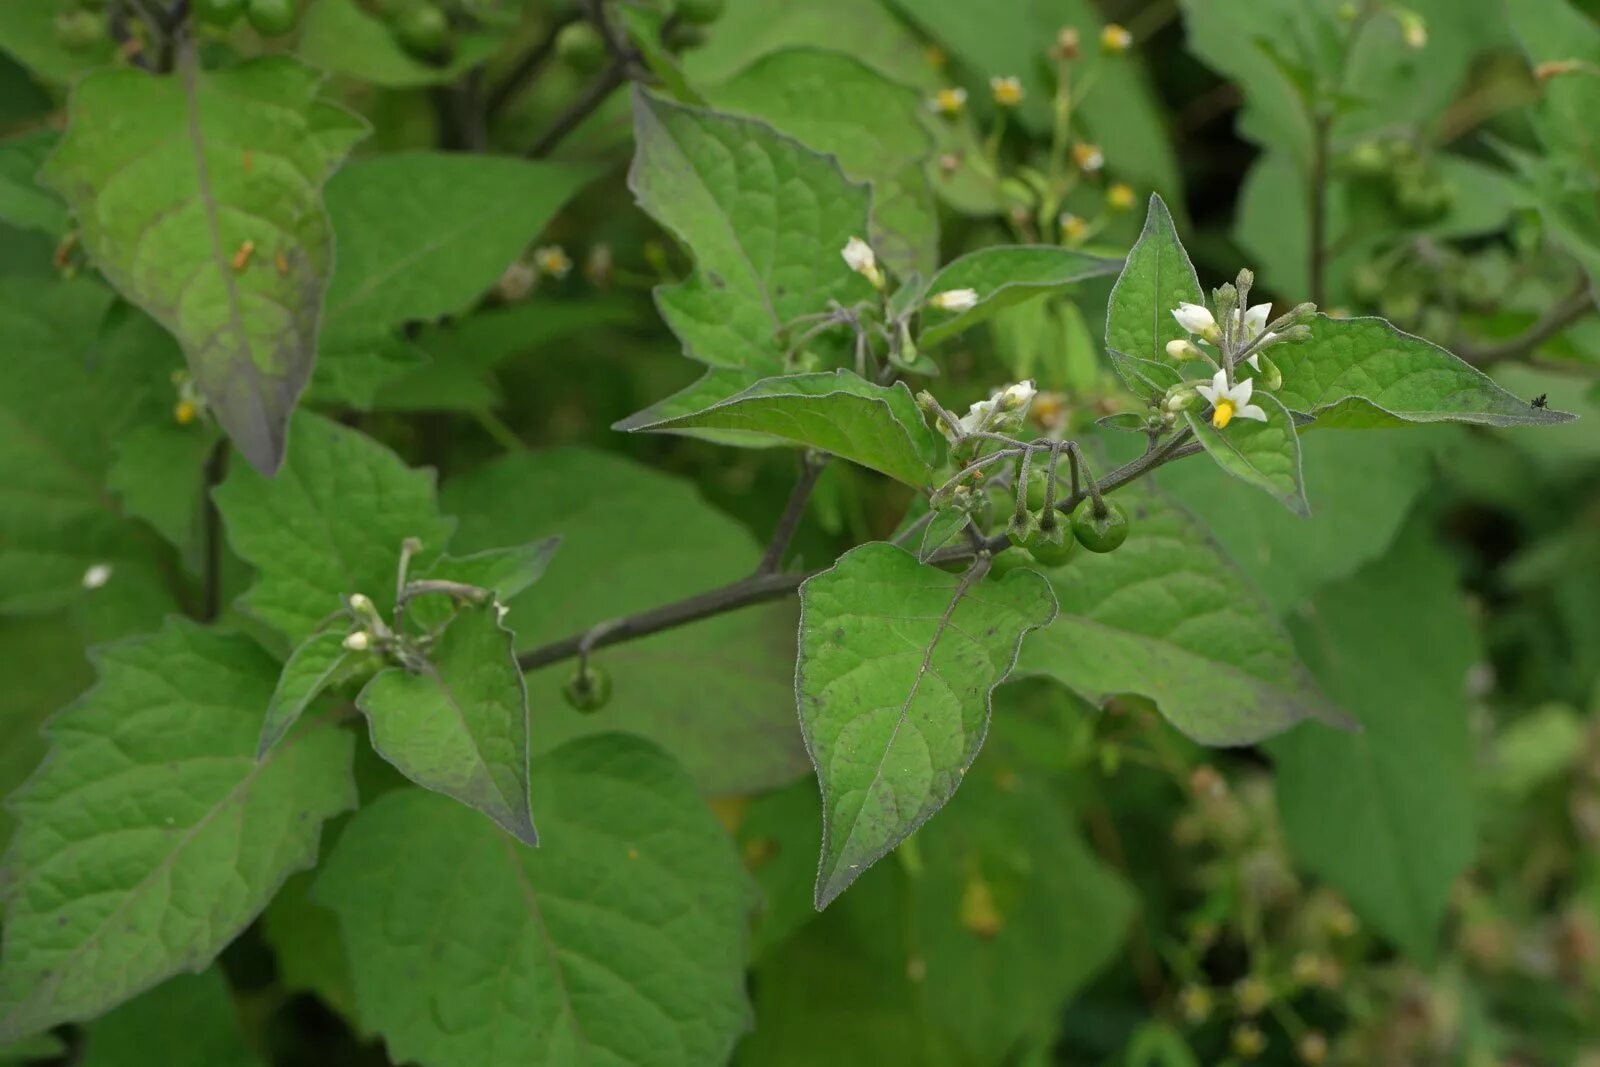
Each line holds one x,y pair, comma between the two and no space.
1263,454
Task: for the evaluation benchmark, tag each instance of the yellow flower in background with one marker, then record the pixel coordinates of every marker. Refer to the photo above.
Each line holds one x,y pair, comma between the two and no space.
1074,228
552,260
1120,197
1007,91
1115,39
948,102
1088,157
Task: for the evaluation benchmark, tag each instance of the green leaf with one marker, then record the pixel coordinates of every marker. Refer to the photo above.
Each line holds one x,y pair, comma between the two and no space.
1004,276
766,220
28,32
43,663
340,37
172,180
1264,454
505,572
1386,815
158,474
717,694
307,949
23,202
1361,373
311,669
749,29
942,529
424,235
619,941
151,836
837,104
1357,516
877,426
1156,278
329,525
897,663
56,518
1168,616
459,726
198,1006
32,1049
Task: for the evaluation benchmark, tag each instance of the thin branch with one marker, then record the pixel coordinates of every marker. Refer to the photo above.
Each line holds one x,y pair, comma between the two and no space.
811,467
1555,319
528,68
585,105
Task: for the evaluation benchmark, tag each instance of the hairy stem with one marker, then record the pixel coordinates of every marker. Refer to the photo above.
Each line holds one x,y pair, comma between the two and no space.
811,468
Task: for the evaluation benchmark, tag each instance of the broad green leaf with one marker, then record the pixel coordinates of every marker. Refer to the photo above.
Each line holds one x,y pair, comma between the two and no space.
750,29
1385,815
151,836
459,726
1122,114
424,235
158,475
1356,519
198,197
1146,378
505,572
877,426
619,941
765,218
43,663
341,37
199,1007
1360,373
897,663
28,31
1156,277
311,668
56,517
717,694
1003,276
33,1049
353,371
23,202
837,103
1264,454
842,989
1167,616
330,524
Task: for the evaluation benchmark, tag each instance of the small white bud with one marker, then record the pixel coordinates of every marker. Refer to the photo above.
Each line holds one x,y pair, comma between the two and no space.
360,602
954,300
1181,350
359,641
858,256
1195,318
500,612
97,575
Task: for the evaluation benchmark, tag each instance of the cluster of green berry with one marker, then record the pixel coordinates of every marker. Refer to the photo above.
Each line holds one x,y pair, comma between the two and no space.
1050,537
424,28
1410,180
270,18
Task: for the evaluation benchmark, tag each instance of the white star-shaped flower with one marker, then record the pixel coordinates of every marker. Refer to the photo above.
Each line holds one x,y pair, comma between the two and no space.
1230,402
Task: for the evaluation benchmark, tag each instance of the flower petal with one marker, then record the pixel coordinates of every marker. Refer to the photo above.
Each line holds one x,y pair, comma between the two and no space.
1251,411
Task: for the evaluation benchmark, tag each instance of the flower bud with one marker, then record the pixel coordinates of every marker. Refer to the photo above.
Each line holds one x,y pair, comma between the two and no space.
359,641
96,576
1196,319
859,257
1182,349
1413,30
954,300
1271,376
1068,43
1295,334
360,603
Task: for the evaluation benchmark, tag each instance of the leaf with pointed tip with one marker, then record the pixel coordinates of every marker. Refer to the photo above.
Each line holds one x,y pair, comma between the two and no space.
1145,378
1156,278
1168,616
1003,276
621,941
311,669
199,198
151,835
459,726
942,529
897,663
1360,373
1265,454
329,525
765,218
838,412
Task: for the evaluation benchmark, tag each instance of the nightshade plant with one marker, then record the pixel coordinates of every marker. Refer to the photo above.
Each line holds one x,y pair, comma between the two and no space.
197,399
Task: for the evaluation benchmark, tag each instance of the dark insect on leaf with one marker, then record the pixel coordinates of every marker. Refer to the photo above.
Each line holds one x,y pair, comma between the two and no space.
1541,400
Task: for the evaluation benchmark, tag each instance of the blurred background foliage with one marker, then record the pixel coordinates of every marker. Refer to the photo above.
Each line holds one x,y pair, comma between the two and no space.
1100,891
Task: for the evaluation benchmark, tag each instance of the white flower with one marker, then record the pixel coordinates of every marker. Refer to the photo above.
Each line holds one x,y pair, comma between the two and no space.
1195,318
552,260
360,602
359,641
954,300
858,257
977,416
948,102
97,575
1228,403
1180,350
1255,320
1015,397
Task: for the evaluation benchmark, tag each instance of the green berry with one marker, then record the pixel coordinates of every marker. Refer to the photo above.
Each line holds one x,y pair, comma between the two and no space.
580,47
219,13
1102,532
699,12
424,31
1368,159
1052,547
1039,485
589,689
272,18
79,31
1009,560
